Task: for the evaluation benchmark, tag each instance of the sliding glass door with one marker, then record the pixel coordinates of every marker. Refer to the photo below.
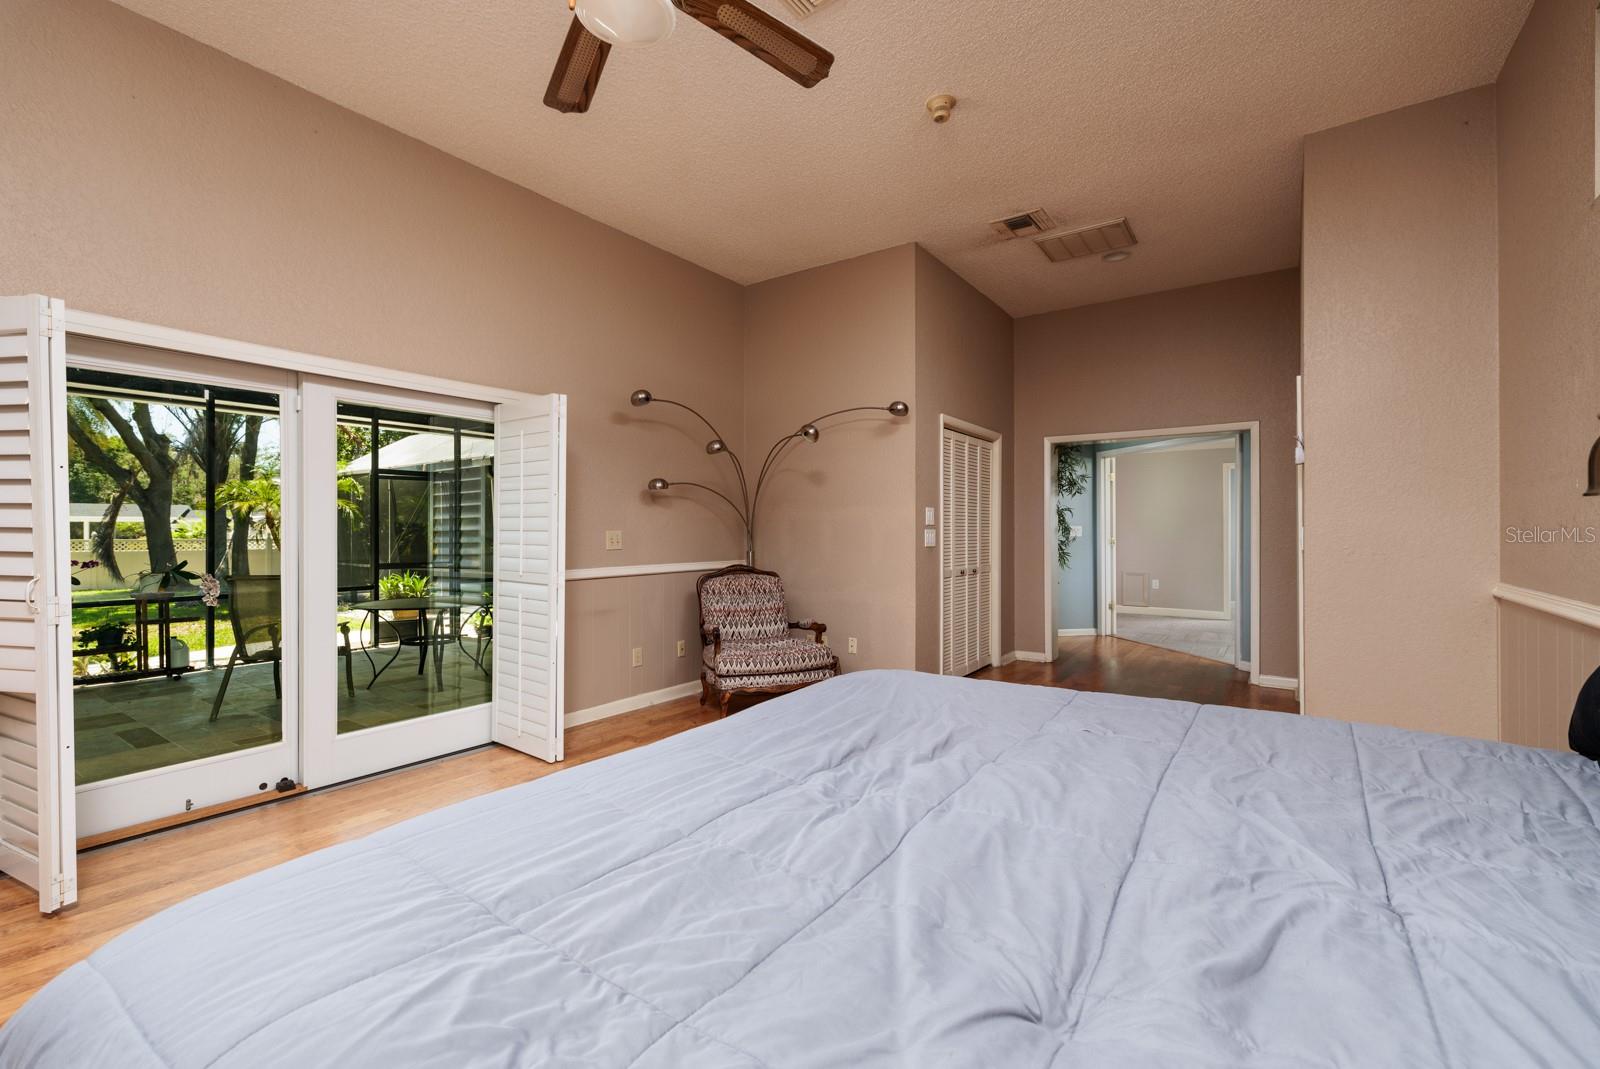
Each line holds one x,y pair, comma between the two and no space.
182,589
400,487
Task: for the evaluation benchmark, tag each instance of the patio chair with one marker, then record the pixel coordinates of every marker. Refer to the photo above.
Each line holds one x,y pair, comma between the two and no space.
255,611
747,645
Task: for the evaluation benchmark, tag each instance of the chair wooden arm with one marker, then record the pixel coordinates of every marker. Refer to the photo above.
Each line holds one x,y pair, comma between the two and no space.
813,626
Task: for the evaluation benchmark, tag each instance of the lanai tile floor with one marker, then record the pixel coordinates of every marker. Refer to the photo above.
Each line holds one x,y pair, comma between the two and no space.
137,725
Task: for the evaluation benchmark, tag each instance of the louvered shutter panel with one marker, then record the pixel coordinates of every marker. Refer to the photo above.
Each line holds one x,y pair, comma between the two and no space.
37,801
530,559
981,586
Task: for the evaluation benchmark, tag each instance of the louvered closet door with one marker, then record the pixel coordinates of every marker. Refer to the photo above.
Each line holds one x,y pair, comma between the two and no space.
37,812
530,558
966,486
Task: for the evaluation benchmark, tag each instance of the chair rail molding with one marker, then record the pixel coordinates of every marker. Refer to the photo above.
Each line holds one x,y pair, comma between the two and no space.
1579,612
622,571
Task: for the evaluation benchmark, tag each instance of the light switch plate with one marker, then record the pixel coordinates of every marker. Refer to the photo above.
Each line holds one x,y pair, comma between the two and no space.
1155,584
927,516
1076,530
638,656
613,541
681,647
930,536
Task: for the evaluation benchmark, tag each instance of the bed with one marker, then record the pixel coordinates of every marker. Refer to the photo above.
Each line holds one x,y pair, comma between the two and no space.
896,869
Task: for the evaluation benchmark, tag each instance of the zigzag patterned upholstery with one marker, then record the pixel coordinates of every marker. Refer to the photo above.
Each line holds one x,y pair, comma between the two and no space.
749,639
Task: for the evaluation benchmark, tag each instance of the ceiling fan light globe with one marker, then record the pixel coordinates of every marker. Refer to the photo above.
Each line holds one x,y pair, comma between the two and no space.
628,22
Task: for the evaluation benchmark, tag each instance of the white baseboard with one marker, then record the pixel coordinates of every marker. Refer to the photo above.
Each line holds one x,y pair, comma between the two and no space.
1245,666
1187,614
631,702
1075,632
1029,655
1278,682
1006,658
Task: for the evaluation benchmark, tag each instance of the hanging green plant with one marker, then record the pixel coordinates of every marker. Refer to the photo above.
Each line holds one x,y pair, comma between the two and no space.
1071,480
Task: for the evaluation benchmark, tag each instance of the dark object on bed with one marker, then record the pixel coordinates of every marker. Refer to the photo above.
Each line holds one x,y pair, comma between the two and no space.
1583,734
747,645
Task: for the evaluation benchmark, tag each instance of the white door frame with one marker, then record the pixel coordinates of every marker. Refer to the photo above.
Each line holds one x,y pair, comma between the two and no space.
332,757
1052,647
179,343
107,805
1105,525
1230,549
996,474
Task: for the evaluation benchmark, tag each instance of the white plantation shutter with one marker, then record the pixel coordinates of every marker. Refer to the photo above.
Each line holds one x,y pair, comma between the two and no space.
529,560
37,812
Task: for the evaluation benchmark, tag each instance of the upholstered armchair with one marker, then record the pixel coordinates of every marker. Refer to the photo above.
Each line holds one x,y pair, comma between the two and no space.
749,644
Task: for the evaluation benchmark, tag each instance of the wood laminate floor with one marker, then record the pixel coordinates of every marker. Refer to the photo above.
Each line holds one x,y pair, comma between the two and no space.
122,884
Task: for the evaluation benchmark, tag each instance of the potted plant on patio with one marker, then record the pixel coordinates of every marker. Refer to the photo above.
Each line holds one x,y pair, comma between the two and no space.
401,585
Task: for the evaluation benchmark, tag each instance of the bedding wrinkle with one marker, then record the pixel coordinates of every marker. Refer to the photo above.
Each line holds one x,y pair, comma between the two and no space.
1116,896
1388,901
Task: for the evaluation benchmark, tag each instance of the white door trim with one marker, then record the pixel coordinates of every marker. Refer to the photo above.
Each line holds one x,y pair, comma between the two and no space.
996,549
1252,426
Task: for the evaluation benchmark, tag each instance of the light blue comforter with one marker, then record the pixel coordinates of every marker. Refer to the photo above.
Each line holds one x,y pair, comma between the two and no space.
896,869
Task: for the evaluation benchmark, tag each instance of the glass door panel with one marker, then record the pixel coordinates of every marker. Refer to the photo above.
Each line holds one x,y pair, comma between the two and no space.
182,681
402,491
171,482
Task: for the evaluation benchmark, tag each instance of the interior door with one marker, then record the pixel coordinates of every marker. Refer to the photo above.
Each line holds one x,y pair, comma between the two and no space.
37,811
398,592
530,562
966,553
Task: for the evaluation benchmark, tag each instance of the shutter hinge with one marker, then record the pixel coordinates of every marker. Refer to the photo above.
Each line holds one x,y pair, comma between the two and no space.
48,320
63,888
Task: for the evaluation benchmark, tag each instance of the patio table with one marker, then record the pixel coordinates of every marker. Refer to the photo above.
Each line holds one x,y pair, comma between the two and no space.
431,612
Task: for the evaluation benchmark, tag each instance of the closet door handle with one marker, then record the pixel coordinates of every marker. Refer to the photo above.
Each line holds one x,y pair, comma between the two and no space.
28,595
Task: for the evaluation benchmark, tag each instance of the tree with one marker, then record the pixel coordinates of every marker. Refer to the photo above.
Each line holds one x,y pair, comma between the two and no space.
262,494
152,456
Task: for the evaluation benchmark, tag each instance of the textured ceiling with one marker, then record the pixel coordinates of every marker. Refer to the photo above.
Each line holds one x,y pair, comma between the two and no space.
1185,117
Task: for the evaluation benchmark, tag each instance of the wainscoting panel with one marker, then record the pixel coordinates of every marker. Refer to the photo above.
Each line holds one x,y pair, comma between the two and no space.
607,618
1545,656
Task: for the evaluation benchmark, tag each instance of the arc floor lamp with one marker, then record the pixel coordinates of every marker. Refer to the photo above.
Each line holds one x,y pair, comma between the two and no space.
750,495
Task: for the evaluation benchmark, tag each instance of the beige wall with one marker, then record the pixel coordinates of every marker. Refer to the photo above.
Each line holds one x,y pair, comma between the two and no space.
1549,367
836,520
1549,298
150,177
1172,525
1402,487
963,370
1220,353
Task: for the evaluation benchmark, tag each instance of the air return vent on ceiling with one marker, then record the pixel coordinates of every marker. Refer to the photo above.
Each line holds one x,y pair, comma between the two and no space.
802,8
1087,240
1025,225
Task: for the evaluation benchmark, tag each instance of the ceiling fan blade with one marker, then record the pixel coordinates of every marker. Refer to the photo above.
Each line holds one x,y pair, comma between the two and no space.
764,37
583,57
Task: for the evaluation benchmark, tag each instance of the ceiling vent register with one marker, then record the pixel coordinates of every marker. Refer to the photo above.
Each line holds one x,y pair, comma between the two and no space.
1025,225
802,8
1096,240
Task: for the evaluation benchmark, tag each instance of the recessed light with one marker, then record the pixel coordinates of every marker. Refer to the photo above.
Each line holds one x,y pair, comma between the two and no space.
1116,256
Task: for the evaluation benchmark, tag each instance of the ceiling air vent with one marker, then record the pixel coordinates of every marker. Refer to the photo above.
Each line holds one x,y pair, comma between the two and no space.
1025,225
1093,240
802,8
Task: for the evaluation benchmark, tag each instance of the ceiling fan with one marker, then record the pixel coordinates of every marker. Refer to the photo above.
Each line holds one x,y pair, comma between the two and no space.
599,24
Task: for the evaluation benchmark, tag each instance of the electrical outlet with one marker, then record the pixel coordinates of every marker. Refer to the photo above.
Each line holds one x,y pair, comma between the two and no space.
682,647
638,656
825,638
613,541
930,537
1155,584
853,647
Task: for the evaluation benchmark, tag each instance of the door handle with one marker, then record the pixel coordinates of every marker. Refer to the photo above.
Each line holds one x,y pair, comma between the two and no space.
28,595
